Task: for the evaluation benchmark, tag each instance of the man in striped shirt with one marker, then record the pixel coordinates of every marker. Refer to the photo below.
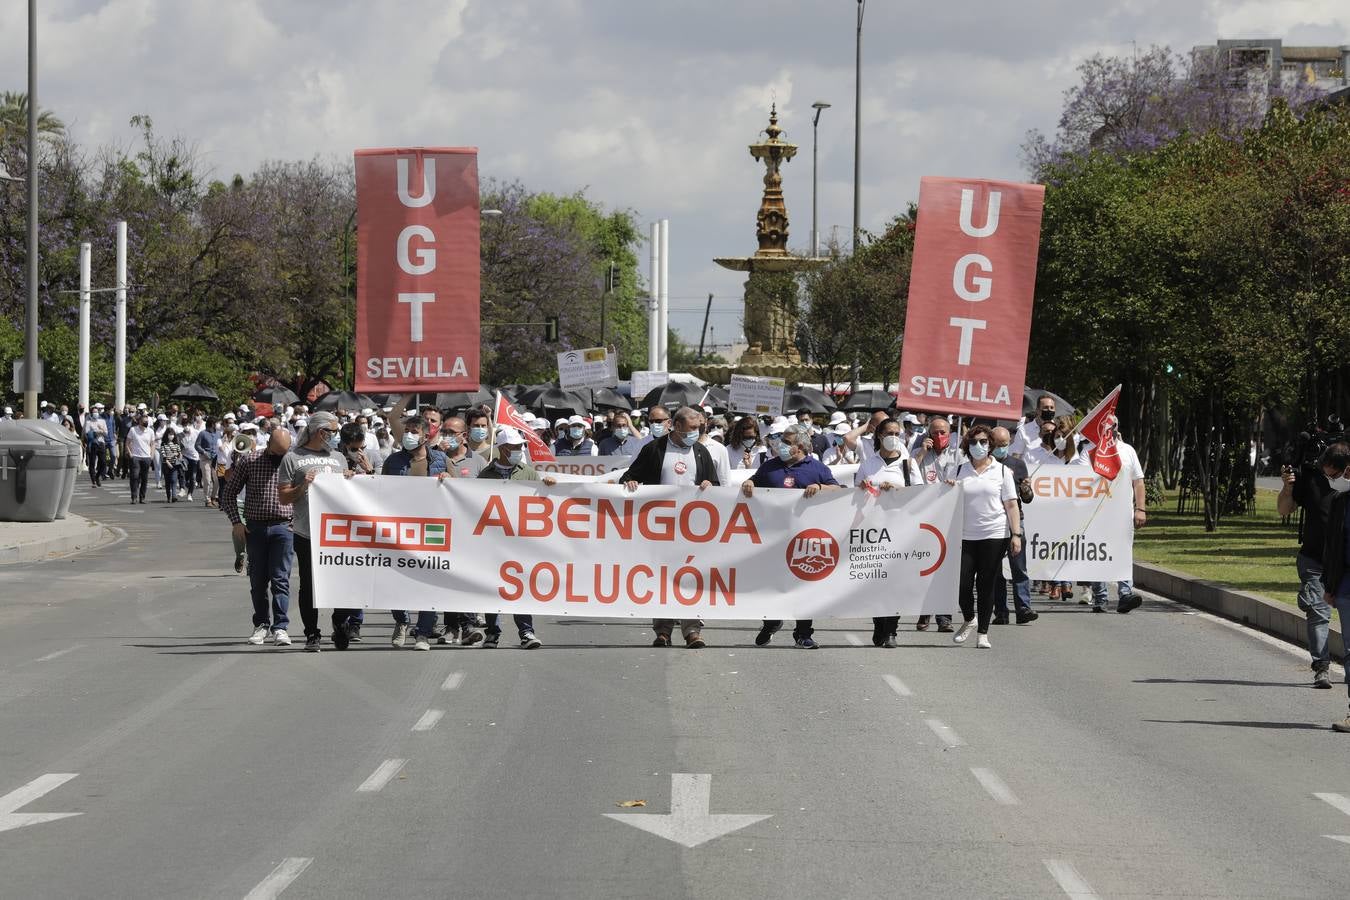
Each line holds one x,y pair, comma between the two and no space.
267,534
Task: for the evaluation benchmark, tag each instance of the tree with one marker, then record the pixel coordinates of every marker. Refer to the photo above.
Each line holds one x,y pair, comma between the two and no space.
157,368
14,119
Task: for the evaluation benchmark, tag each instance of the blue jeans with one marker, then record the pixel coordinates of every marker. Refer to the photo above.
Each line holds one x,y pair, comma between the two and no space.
170,482
1021,585
524,624
1312,600
426,620
269,564
1099,594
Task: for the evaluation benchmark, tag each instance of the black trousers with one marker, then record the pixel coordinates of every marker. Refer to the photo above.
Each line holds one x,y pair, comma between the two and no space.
802,629
140,475
980,562
885,626
308,614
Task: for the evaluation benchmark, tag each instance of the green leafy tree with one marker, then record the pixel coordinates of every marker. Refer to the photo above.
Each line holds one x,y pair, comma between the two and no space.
157,368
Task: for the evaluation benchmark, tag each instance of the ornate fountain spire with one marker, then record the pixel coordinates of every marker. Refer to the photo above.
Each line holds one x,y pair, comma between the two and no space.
771,224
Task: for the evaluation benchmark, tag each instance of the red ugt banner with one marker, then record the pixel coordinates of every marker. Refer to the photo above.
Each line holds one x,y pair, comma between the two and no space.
417,269
970,295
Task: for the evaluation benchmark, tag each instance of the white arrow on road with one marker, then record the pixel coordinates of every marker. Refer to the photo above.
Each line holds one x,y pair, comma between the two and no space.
688,823
26,795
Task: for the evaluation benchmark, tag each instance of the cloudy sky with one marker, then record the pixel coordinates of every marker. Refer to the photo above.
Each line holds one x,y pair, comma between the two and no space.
644,105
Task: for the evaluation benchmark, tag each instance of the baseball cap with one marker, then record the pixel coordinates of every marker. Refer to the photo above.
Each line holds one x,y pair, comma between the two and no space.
577,420
842,428
778,427
141,407
228,417
161,418
509,437
42,405
367,412
98,406
560,423
837,417
910,418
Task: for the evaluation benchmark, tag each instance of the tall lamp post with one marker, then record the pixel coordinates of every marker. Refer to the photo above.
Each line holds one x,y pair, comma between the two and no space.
30,345
857,157
819,106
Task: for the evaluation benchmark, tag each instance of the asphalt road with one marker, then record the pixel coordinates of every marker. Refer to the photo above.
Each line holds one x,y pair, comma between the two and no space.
1160,754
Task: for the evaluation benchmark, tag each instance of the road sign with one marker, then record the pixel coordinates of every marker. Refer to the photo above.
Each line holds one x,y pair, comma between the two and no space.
689,823
759,395
590,368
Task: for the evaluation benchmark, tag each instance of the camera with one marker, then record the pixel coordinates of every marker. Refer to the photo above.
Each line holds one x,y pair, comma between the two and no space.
1308,445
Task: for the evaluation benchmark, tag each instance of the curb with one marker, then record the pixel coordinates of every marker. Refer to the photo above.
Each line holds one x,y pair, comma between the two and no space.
1270,616
92,535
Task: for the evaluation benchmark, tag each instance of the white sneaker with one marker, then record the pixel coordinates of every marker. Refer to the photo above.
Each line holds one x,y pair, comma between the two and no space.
963,632
259,635
400,635
983,642
421,642
281,638
530,642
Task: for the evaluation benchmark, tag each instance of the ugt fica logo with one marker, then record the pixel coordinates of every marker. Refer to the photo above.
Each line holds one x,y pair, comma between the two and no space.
812,554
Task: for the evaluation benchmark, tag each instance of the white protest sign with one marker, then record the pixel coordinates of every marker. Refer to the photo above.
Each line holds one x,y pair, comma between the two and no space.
477,545
646,382
590,368
1079,527
583,465
758,395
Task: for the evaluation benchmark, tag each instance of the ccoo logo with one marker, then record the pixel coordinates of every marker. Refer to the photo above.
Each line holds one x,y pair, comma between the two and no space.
812,554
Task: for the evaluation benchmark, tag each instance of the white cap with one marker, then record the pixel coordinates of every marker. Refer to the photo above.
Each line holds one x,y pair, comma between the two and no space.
910,418
9,410
842,428
98,406
228,417
367,412
707,410
509,437
778,427
577,420
140,406
560,423
248,426
836,417
161,418
301,422
783,421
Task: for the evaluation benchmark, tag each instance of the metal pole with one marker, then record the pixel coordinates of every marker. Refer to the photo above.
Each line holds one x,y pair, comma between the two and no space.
815,185
663,327
83,398
653,316
30,332
120,339
704,333
857,130
347,292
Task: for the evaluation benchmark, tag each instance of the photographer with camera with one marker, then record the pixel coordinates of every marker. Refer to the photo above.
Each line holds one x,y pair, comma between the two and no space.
1312,485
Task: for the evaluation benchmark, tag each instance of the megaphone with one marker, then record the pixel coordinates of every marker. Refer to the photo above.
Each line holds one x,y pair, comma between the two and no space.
244,443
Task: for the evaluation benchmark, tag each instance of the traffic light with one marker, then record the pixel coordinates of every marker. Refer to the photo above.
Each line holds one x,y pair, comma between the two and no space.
551,330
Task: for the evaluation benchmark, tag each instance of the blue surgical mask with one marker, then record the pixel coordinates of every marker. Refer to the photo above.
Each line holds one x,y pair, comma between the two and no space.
478,434
785,452
621,433
748,443
411,441
332,442
1000,453
978,451
451,442
658,429
576,432
515,456
689,439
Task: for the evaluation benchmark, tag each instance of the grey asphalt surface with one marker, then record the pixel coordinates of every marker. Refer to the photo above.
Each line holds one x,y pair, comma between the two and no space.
1158,754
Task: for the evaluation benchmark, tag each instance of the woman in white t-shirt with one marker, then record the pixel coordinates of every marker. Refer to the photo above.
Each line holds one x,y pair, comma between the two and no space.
989,499
886,468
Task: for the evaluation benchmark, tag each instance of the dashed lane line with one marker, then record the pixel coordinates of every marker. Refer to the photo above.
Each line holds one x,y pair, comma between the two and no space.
944,732
1070,880
898,686
289,869
995,786
429,720
452,681
381,776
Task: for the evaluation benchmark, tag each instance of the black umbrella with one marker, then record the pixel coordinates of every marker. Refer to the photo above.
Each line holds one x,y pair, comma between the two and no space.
344,402
719,398
194,391
603,398
527,393
277,395
465,399
800,396
867,400
673,395
1030,395
555,402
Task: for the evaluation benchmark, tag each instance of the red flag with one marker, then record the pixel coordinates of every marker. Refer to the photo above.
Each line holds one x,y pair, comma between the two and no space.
507,415
1099,426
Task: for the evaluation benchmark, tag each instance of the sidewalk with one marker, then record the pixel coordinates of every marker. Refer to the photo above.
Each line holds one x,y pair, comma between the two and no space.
24,542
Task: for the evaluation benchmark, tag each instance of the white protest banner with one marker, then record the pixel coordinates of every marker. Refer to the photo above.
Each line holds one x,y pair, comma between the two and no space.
646,382
758,395
478,545
590,368
1079,527
583,465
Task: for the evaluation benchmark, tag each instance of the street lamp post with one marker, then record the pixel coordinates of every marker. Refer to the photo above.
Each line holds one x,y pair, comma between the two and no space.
30,346
857,158
819,106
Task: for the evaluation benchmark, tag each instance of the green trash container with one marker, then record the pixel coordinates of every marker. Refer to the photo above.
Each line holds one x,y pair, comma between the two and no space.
35,465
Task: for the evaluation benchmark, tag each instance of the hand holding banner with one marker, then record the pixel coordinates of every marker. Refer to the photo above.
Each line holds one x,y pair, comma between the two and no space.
970,294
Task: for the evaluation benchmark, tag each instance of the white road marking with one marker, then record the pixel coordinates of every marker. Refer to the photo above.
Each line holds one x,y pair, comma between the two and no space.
59,653
1070,880
689,823
1340,801
25,795
995,786
286,871
897,685
381,776
854,640
428,720
453,681
1343,838
949,737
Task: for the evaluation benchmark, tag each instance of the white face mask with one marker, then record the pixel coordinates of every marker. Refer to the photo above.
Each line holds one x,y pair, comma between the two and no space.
1340,484
1061,443
891,443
